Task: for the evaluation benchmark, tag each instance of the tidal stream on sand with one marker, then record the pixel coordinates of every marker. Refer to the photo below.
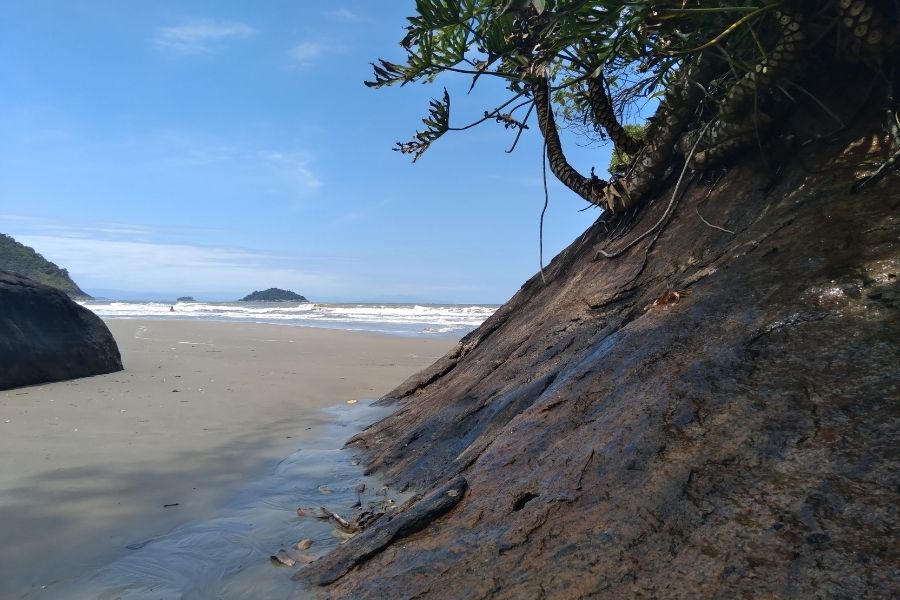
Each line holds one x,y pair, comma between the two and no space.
228,554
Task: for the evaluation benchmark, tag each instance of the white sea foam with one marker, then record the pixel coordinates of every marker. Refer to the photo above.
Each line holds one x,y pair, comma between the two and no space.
404,319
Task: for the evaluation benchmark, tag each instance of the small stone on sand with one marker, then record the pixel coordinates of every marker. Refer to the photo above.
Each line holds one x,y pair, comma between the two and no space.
281,559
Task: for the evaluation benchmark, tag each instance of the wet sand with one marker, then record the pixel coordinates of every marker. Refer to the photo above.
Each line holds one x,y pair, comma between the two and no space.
88,466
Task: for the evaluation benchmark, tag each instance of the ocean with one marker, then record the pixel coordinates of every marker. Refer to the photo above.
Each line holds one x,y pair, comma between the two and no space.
417,320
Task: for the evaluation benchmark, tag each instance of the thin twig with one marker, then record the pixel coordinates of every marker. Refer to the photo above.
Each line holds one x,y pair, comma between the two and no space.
543,212
728,31
786,93
679,11
759,46
521,129
492,114
759,143
821,104
697,210
705,198
546,192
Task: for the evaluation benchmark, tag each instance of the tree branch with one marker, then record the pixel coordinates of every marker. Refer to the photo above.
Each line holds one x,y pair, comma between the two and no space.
589,188
603,114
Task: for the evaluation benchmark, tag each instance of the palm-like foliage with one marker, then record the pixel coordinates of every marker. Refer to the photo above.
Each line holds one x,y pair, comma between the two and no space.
630,50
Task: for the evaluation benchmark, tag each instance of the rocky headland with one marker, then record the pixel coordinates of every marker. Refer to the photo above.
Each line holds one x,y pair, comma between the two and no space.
46,336
711,413
24,260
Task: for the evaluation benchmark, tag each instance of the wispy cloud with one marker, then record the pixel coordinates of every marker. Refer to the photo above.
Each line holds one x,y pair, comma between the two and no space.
306,53
296,169
200,37
188,161
107,263
344,15
349,217
361,215
29,225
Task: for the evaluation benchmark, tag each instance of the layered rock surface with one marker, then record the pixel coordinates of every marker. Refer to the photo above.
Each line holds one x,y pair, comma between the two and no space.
45,336
714,414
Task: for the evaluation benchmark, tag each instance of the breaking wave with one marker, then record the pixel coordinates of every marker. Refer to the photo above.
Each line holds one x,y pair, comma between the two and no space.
402,319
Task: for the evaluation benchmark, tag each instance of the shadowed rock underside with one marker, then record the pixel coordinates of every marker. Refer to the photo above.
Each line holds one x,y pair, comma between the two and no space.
46,336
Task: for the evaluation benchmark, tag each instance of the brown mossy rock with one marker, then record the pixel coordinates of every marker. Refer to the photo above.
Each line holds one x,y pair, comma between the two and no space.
737,440
45,336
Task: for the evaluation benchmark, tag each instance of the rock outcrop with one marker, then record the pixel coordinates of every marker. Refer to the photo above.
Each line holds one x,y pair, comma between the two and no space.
712,414
273,295
45,336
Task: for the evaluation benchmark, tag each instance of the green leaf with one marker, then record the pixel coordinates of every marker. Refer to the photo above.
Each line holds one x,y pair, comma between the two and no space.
437,123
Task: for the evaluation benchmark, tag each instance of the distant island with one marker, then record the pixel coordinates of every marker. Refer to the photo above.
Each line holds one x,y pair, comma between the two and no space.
274,295
186,299
21,259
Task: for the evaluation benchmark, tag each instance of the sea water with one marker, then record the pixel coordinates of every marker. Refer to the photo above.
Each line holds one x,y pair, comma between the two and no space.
419,320
227,556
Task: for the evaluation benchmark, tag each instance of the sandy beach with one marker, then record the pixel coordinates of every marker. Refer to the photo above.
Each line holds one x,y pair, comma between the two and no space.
91,465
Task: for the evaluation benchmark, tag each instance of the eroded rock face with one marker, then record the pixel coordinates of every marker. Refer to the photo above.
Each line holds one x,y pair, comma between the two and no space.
736,439
45,336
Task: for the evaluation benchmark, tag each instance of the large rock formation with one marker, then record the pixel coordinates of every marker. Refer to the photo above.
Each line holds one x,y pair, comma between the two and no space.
273,295
45,336
712,414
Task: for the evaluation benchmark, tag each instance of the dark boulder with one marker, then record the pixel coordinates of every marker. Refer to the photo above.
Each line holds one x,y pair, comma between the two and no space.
45,336
712,414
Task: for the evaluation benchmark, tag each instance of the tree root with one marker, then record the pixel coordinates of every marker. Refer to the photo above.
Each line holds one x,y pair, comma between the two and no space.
375,539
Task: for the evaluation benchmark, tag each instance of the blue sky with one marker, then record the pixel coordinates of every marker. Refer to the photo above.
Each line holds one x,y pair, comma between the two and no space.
213,148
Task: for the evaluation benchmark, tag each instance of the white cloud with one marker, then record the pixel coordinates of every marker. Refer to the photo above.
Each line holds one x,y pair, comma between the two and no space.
285,169
305,54
32,226
120,264
342,14
295,168
199,37
360,215
349,217
61,229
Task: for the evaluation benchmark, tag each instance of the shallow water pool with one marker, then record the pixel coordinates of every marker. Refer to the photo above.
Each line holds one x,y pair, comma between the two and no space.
228,554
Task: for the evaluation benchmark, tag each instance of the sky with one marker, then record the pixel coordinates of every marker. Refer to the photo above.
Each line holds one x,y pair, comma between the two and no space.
212,148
